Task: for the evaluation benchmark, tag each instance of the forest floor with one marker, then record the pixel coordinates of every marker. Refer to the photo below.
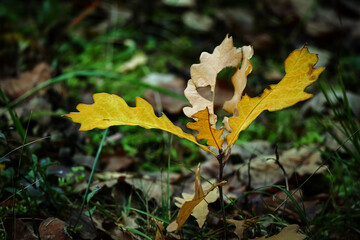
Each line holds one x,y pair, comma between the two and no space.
295,167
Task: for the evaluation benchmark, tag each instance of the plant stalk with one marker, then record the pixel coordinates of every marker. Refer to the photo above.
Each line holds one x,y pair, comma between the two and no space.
90,178
220,158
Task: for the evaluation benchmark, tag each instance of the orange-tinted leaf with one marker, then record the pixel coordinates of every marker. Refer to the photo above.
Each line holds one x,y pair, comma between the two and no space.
300,73
190,204
206,131
110,110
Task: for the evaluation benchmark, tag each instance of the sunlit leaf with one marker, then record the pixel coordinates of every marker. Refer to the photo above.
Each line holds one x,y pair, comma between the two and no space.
110,110
300,73
204,74
205,130
194,204
239,79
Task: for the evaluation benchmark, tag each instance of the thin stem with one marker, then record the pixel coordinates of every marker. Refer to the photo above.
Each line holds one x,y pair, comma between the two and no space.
220,158
277,161
90,177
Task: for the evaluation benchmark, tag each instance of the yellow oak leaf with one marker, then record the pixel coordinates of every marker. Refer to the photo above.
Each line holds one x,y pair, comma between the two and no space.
204,74
205,130
289,232
300,73
110,110
194,204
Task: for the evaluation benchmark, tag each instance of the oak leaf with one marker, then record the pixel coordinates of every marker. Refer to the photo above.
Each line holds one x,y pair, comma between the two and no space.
194,204
289,232
205,130
159,229
110,109
300,73
204,74
239,79
239,228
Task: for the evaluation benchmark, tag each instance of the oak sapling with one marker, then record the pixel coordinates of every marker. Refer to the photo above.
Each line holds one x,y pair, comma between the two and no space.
109,109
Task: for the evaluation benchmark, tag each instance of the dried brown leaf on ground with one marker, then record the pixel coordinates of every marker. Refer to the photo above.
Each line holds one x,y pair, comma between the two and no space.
239,228
15,87
53,228
162,101
136,61
149,186
290,232
24,231
265,171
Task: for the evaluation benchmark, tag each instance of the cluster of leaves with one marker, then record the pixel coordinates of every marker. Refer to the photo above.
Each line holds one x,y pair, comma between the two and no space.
109,109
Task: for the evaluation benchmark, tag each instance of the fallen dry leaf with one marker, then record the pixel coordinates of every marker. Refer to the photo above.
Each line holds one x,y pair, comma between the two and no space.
150,186
288,233
264,170
162,101
15,87
137,60
111,229
117,162
23,231
239,228
53,229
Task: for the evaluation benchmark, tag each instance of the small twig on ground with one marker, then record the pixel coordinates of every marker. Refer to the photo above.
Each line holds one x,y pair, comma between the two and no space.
248,186
321,165
277,161
281,167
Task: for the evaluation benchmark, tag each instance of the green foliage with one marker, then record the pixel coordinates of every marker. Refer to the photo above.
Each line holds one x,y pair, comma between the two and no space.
104,53
75,176
344,163
284,126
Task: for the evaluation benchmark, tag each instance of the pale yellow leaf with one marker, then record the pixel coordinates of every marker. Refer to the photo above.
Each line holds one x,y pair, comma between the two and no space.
290,232
205,130
239,79
110,110
204,74
300,73
172,227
